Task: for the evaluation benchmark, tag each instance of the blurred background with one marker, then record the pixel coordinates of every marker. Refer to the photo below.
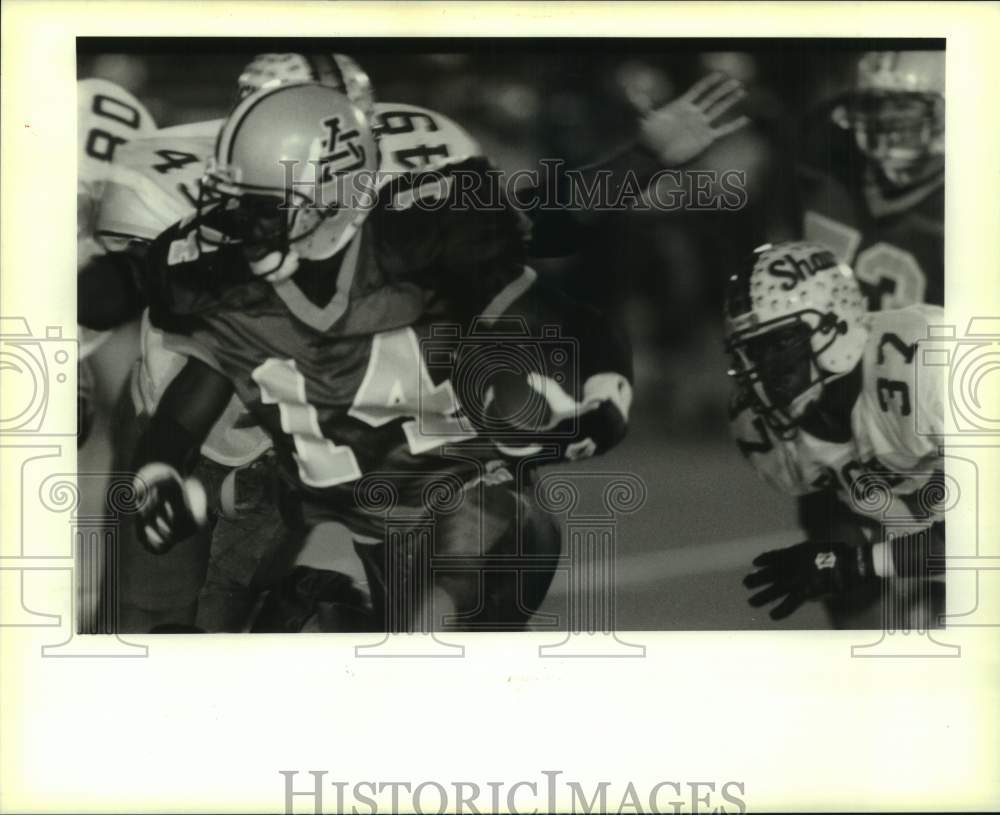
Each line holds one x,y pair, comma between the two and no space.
707,515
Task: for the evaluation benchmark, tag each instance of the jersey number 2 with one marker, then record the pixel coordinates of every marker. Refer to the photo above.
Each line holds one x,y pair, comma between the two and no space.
891,278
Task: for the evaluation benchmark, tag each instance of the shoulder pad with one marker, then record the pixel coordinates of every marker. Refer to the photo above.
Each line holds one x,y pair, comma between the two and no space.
108,117
152,184
414,138
901,408
203,130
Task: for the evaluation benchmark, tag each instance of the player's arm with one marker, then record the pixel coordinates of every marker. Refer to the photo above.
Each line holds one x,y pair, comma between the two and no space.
667,137
578,401
673,134
171,505
109,288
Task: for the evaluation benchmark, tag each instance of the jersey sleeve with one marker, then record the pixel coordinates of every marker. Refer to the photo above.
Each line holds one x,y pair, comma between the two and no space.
414,138
902,408
547,370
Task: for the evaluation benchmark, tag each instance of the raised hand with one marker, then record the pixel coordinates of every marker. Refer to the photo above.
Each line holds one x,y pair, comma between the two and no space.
684,128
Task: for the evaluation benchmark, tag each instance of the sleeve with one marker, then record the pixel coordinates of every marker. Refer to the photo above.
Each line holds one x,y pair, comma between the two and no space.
560,373
905,386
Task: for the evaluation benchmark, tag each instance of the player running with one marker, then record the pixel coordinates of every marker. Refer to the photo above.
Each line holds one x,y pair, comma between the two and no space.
827,399
881,211
323,345
153,183
157,182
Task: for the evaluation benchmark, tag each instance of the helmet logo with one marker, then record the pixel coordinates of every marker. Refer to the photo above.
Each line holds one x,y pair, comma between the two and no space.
794,269
338,147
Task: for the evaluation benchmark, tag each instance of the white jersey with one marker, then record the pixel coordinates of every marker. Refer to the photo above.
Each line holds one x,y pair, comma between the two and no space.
414,138
108,119
155,182
897,425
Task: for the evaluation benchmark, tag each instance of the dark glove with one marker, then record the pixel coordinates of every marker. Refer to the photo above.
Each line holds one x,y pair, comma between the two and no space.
170,508
807,571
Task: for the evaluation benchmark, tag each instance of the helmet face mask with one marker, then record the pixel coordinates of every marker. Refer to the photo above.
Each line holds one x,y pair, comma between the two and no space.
787,340
260,223
897,132
779,368
896,113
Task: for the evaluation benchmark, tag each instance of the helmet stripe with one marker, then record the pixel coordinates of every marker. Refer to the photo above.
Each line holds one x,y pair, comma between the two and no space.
326,70
225,146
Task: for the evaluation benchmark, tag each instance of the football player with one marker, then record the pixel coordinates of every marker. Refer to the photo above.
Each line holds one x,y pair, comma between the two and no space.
108,118
154,183
827,398
312,305
882,208
871,185
158,181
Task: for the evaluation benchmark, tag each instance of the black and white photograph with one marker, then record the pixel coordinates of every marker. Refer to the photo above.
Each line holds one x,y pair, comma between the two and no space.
432,335
581,382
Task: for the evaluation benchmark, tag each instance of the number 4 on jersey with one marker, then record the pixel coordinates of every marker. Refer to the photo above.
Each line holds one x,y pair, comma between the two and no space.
396,385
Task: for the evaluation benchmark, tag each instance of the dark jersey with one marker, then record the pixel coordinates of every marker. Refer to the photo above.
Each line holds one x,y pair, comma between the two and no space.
387,359
893,239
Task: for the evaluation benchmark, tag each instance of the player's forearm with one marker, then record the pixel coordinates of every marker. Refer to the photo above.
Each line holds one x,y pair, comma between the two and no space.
630,161
188,409
909,555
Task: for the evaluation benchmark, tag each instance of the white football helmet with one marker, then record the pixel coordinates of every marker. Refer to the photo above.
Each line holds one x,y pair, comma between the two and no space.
896,111
293,170
794,320
336,70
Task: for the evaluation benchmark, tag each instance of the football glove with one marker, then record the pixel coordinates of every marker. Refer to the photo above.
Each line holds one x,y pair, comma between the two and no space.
170,508
807,571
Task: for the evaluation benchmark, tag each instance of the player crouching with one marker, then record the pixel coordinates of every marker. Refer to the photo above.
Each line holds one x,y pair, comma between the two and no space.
826,403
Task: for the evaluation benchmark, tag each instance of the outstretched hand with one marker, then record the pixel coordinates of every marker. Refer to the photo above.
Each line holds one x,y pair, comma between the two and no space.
684,128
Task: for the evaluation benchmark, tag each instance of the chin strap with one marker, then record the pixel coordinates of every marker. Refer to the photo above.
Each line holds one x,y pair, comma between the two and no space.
276,266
